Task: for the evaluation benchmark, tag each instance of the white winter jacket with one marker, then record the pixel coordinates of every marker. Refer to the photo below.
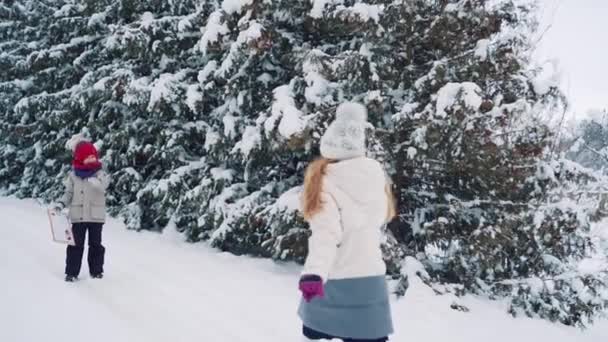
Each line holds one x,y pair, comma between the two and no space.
346,233
86,198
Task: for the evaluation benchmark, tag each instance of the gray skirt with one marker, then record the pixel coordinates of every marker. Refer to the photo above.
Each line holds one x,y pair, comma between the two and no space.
357,308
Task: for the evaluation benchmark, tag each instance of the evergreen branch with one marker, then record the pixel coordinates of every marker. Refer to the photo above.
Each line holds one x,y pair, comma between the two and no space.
598,153
571,275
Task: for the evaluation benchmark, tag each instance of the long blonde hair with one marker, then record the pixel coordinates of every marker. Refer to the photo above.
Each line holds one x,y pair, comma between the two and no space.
391,210
313,187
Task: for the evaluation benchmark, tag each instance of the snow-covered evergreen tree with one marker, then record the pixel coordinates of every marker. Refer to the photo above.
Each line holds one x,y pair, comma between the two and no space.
476,190
588,145
208,111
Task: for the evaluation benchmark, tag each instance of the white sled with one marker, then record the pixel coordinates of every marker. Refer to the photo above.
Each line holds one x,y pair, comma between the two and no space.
61,230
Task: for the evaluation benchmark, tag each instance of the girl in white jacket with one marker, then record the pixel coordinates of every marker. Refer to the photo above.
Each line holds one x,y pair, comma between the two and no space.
347,201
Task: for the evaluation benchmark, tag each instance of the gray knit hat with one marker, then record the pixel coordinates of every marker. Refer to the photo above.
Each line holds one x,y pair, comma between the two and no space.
345,137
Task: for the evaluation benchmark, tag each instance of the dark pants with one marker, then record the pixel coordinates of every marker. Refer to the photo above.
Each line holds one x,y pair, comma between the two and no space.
315,335
96,250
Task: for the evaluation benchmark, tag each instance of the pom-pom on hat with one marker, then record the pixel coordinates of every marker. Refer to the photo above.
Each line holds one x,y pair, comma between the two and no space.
345,136
74,141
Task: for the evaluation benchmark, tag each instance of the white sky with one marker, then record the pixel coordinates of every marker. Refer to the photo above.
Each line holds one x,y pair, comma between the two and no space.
578,39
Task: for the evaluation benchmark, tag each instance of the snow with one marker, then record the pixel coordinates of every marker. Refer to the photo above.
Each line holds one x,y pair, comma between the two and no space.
594,115
482,48
251,139
185,24
235,6
406,110
211,138
318,7
101,84
374,96
178,174
137,92
365,51
147,19
412,152
451,93
451,8
364,11
165,61
254,32
229,125
289,201
419,137
284,108
207,71
97,19
548,78
219,173
193,97
265,78
430,77
164,88
413,268
601,231
66,10
23,84
212,31
245,37
318,89
158,288
592,265
132,172
6,24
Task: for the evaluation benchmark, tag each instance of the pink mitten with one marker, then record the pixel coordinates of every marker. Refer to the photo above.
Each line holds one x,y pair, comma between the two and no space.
311,286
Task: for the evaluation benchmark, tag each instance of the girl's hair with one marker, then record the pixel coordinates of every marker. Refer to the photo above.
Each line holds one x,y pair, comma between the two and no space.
313,186
391,210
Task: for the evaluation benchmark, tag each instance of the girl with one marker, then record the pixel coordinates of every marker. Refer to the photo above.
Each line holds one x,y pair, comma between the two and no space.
346,201
85,198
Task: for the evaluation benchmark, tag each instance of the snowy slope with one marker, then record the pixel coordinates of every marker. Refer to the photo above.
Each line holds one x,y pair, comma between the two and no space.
158,288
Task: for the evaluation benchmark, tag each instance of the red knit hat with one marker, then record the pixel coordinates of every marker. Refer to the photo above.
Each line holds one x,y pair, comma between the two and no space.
86,157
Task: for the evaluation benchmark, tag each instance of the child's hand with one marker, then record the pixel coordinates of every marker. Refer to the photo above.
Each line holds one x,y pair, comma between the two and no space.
311,286
59,209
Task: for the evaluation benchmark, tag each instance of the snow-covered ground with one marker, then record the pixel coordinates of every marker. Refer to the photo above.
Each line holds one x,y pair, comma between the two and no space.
158,288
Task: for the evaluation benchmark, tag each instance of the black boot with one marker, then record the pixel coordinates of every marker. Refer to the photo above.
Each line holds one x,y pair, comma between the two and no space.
70,279
97,276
